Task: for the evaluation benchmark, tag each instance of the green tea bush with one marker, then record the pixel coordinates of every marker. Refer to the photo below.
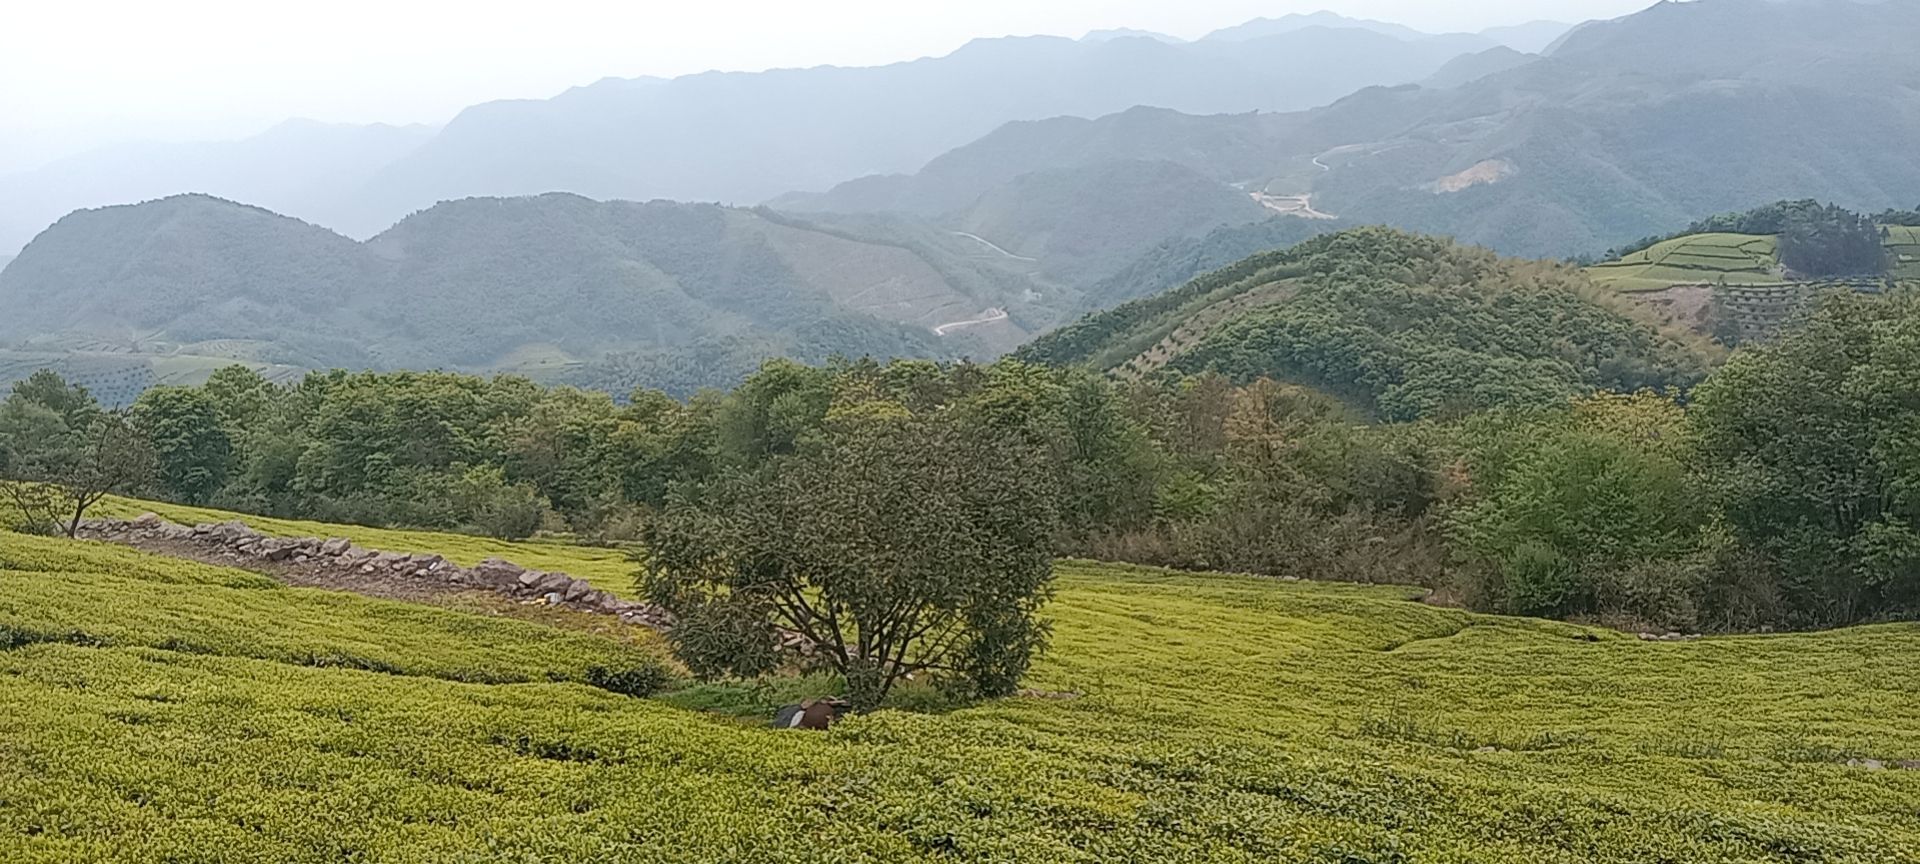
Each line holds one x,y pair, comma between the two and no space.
1179,718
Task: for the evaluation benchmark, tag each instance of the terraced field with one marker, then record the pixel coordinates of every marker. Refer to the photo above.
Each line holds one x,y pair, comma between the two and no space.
153,710
1733,259
119,378
1903,243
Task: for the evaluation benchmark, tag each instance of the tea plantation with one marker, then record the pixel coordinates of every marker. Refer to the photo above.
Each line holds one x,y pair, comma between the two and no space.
154,710
1732,259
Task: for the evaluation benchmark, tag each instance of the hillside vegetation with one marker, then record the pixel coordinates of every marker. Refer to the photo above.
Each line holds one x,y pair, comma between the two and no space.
1202,717
1401,325
1782,242
1624,129
615,294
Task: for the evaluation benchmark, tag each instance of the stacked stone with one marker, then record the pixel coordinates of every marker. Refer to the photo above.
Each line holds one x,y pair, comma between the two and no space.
235,540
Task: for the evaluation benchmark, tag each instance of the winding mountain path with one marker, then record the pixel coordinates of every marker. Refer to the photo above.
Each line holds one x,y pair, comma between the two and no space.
995,247
992,316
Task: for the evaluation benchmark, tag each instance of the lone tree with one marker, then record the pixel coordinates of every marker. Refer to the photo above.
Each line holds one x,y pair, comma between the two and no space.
60,454
898,544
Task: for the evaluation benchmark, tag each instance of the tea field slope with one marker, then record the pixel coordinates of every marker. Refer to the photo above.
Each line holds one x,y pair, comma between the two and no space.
1730,259
152,710
610,570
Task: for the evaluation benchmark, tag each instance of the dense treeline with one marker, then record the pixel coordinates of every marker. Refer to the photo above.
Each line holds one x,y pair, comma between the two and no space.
1781,493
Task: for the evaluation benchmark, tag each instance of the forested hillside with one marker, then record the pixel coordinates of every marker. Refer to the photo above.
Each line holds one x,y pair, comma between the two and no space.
1399,325
1084,224
605,294
1625,129
1170,264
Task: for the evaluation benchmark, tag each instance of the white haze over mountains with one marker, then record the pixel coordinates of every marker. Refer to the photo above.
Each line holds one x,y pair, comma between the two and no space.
98,72
223,69
700,137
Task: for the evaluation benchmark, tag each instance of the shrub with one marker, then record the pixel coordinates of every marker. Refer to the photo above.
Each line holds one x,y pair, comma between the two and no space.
636,681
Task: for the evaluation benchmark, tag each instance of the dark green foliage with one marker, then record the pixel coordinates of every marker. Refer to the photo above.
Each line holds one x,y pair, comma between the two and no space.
897,543
1899,217
636,681
189,439
1810,445
1406,326
60,454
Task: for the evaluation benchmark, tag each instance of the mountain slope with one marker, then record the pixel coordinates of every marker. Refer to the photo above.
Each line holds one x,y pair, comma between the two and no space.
1472,67
749,137
305,168
1399,325
1085,223
1173,262
1628,128
732,137
554,285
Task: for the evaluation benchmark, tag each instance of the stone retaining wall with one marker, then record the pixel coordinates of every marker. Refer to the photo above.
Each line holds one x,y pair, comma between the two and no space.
241,542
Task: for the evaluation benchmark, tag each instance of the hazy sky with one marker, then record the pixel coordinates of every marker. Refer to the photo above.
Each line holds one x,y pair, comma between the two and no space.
78,73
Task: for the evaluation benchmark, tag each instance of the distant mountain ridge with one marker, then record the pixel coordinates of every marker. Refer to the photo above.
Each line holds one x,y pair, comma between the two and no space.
680,295
738,138
1626,128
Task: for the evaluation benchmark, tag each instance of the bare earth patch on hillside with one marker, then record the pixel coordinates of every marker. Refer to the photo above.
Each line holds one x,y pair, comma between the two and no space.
1482,174
1685,306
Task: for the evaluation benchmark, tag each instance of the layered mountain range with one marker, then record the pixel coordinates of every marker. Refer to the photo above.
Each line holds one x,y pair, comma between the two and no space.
1181,160
1624,128
740,137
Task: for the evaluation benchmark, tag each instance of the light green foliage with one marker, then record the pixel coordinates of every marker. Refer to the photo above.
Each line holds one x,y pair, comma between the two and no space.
1587,510
1217,719
1718,259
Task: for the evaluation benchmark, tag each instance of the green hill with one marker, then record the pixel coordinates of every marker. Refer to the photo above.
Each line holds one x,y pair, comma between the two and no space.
1401,325
614,294
160,710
